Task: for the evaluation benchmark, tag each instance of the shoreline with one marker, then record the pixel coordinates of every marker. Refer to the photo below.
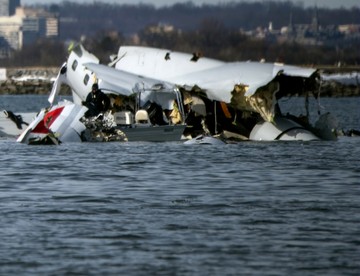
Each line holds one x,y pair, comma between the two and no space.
30,80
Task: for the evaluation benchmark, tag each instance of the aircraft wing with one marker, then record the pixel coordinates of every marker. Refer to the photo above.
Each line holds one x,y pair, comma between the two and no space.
219,82
293,71
124,83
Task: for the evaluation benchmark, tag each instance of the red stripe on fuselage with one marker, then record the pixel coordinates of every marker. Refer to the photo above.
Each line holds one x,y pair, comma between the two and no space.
49,118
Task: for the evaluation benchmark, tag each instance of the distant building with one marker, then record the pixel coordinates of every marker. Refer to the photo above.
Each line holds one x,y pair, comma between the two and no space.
37,23
8,7
161,28
25,27
10,35
312,33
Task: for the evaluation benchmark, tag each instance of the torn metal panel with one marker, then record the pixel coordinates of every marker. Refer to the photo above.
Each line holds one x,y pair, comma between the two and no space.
60,79
264,101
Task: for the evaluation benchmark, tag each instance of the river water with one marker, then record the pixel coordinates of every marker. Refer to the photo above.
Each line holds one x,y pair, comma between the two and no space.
252,208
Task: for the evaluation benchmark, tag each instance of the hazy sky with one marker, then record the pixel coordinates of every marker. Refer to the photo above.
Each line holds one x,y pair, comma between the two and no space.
157,3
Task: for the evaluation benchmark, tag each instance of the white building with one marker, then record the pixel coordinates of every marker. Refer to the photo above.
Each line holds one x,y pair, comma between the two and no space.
25,27
11,36
8,7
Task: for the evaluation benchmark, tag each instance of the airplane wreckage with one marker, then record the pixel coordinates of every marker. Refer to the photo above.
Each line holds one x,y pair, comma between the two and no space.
159,95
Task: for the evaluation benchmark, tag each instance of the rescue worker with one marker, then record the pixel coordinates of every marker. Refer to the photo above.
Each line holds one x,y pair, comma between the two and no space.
96,101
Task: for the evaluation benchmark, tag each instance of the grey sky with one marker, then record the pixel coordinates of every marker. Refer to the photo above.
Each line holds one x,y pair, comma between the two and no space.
320,3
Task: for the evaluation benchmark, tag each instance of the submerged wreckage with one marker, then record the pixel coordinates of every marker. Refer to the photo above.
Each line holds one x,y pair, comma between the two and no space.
160,95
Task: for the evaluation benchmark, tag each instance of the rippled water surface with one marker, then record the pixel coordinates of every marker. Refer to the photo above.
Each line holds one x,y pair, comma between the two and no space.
252,208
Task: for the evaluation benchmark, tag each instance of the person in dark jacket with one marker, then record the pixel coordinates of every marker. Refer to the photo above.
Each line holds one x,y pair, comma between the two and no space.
96,101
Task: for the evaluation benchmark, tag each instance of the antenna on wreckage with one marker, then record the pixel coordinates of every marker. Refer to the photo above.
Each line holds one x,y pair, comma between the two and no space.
114,59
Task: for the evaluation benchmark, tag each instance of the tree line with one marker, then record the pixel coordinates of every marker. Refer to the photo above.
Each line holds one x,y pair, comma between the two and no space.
87,19
212,30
